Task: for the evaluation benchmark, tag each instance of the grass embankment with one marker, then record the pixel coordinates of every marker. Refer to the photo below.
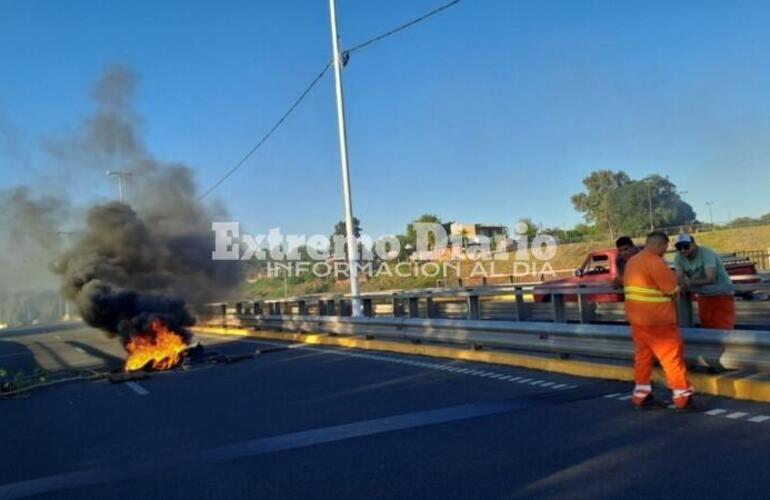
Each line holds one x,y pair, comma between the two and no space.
568,256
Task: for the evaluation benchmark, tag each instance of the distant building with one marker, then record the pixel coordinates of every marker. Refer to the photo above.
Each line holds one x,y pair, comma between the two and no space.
470,233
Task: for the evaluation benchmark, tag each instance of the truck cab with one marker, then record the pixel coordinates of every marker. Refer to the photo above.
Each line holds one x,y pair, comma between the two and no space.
599,268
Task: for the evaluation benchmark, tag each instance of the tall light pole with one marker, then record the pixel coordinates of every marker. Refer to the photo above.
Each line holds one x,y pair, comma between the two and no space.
66,234
649,202
351,240
711,213
120,174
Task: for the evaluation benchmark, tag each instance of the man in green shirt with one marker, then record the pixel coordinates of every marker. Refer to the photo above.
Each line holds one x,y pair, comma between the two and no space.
700,269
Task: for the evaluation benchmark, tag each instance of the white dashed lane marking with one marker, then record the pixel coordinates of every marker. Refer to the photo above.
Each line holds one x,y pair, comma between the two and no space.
617,396
720,412
715,412
465,371
422,364
137,388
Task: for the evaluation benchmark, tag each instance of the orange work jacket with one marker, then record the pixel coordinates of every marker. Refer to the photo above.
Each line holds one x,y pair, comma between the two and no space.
648,284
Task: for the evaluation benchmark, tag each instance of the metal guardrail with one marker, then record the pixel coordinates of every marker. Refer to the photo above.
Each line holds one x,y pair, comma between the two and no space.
562,303
738,349
41,328
761,258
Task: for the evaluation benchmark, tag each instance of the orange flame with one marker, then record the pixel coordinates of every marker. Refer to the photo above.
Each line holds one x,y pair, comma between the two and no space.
160,349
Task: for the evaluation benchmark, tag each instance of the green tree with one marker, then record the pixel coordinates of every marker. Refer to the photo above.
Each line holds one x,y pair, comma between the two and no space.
532,228
595,202
632,204
410,238
340,229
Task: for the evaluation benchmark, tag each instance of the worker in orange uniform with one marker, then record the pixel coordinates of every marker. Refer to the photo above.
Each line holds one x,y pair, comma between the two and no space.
650,288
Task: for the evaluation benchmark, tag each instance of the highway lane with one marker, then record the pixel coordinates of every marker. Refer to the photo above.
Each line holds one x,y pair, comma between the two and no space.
325,423
78,347
58,349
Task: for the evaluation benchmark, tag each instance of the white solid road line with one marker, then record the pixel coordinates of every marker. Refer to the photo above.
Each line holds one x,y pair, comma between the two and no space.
138,388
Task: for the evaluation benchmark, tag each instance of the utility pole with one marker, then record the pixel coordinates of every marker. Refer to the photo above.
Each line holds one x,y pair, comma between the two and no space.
711,213
351,239
120,174
68,235
649,202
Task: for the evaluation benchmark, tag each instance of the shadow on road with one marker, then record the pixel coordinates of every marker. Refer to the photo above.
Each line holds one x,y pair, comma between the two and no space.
110,360
15,357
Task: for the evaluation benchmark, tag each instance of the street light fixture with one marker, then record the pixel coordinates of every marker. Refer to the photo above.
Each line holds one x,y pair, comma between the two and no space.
66,317
120,174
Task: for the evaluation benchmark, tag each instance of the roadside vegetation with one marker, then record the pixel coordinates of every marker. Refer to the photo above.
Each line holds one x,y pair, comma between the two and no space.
568,256
612,204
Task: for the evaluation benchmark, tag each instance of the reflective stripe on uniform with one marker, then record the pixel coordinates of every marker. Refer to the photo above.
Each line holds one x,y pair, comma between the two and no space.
642,289
646,298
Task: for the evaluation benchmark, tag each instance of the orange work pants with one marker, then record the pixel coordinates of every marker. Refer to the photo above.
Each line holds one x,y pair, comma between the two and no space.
717,312
665,344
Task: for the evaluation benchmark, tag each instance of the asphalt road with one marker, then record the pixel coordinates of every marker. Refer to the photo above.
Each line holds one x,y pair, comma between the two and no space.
326,423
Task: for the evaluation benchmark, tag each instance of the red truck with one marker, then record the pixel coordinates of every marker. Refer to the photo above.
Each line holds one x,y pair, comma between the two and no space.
601,268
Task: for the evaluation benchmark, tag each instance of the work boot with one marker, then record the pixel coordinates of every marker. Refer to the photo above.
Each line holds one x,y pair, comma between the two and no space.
650,403
690,407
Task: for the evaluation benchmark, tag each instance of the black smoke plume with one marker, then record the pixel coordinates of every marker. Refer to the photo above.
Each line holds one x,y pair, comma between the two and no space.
29,240
148,257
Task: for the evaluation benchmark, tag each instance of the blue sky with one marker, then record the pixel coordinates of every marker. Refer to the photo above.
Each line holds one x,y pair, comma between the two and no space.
490,111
